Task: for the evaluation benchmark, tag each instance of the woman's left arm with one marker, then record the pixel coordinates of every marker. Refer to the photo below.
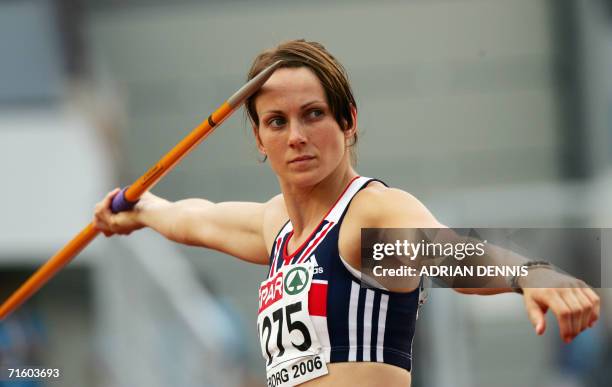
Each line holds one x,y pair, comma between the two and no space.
575,305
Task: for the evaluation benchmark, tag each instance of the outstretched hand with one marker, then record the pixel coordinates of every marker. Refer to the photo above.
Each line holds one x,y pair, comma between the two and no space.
573,302
122,223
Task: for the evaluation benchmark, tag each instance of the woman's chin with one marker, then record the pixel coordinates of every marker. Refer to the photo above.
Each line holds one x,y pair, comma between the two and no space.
304,178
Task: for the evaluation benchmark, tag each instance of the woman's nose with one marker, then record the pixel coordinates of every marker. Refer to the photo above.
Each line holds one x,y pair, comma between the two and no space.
296,134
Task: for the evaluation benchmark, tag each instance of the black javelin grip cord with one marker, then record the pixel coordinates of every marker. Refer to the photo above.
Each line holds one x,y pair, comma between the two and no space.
128,197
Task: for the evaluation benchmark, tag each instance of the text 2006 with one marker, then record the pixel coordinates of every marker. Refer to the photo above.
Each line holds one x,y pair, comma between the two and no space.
306,367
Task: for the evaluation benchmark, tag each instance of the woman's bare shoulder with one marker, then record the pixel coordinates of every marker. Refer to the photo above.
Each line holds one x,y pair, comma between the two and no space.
379,206
275,216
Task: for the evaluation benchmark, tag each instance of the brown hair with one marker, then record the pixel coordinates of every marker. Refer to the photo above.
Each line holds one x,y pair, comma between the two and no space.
331,74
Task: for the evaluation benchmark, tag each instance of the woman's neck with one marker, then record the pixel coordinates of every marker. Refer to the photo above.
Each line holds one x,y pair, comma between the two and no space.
306,206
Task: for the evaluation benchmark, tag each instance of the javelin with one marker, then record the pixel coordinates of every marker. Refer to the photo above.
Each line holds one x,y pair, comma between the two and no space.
128,197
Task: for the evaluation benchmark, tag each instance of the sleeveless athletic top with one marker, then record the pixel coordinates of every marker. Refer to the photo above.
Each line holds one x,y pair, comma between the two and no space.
352,323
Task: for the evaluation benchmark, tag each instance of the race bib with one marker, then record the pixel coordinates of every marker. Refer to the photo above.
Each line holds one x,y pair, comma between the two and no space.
289,342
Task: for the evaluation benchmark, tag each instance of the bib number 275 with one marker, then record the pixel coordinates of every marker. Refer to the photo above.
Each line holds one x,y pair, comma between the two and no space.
278,317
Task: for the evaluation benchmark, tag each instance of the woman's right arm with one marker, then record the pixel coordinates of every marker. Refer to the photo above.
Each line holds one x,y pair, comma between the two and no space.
234,228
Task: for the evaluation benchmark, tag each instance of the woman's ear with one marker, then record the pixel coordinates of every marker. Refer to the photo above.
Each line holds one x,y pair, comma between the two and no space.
350,132
260,146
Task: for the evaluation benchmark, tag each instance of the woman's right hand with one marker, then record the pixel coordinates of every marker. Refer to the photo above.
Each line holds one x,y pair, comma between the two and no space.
122,223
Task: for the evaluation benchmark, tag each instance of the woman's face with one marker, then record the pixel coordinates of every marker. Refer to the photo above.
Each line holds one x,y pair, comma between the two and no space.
297,130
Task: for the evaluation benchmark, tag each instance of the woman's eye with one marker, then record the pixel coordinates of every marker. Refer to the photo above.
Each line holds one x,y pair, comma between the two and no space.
315,113
276,122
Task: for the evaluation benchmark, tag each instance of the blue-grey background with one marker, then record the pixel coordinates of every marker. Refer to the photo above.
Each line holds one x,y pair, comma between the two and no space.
491,112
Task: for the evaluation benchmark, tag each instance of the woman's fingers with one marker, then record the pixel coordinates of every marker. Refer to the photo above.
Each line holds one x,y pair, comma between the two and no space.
595,302
563,312
109,198
575,305
587,309
535,312
102,214
576,309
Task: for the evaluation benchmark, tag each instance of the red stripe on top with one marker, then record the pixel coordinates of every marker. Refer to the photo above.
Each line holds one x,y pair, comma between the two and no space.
317,299
316,242
286,256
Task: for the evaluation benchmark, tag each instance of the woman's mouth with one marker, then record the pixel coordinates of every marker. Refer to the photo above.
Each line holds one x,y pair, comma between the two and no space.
301,160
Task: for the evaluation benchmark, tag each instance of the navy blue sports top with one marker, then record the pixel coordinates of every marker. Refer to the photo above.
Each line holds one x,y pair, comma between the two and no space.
352,323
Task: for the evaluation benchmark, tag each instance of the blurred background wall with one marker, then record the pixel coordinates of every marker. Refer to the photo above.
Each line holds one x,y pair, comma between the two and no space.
491,112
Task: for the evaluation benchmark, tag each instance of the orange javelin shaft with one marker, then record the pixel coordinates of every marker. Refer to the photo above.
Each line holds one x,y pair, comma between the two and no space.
126,199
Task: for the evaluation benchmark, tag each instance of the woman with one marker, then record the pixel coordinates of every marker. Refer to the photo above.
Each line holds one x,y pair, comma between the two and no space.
316,325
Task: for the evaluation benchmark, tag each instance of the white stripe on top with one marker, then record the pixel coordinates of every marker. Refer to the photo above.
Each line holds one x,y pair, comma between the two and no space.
336,212
352,321
367,323
382,318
